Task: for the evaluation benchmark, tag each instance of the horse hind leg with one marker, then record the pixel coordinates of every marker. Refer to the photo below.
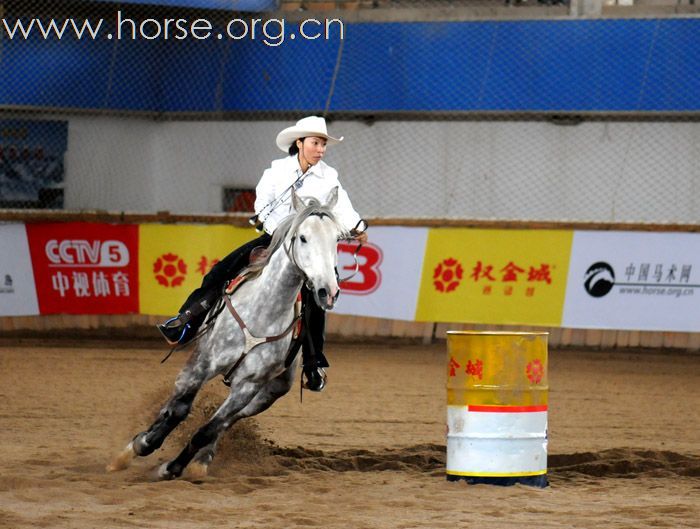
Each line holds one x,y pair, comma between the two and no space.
199,467
202,448
173,413
265,398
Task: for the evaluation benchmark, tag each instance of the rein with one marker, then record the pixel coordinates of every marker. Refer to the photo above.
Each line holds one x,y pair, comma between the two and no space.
360,227
357,264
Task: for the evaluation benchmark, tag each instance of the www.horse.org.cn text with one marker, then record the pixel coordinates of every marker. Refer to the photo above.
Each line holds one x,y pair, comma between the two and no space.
271,32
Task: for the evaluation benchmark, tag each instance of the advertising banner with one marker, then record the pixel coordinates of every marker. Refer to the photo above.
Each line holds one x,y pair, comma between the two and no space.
386,284
634,280
494,276
559,278
174,259
82,268
17,292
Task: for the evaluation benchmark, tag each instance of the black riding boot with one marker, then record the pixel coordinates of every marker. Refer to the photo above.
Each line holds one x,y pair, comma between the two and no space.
184,326
313,359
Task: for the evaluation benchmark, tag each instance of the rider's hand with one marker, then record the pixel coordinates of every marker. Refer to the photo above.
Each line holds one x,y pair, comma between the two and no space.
361,237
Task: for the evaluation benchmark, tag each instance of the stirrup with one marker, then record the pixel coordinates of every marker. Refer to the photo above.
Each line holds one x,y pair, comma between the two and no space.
318,383
173,335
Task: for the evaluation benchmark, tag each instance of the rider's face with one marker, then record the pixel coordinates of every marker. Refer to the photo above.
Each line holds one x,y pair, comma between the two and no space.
313,149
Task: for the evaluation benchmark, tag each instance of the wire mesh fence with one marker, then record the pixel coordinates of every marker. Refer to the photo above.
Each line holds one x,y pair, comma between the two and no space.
450,109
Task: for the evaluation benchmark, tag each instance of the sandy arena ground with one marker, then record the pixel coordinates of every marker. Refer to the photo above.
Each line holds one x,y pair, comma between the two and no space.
368,452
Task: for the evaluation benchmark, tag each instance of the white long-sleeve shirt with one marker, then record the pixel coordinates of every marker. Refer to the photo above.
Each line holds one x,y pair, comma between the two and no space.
273,196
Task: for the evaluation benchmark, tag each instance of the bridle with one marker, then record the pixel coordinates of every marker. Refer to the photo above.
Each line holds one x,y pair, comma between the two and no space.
360,227
289,249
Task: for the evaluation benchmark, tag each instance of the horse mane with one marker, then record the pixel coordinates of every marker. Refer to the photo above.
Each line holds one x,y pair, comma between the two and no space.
287,226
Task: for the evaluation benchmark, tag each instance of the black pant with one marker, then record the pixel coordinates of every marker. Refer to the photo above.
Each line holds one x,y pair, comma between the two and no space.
226,269
314,334
202,298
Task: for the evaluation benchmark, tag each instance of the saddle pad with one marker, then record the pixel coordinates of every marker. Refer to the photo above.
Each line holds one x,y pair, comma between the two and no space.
234,283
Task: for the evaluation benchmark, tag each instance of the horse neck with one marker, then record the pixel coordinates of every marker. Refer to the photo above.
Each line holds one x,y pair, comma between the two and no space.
284,275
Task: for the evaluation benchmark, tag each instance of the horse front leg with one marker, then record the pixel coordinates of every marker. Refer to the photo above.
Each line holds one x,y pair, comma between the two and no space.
273,390
175,410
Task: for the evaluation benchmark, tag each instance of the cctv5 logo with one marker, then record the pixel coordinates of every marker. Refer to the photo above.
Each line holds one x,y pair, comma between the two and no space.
368,276
79,252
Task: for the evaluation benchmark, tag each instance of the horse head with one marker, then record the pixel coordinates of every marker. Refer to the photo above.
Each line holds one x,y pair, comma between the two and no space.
313,243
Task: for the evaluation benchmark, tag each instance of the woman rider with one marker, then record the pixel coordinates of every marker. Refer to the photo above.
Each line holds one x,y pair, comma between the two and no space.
305,172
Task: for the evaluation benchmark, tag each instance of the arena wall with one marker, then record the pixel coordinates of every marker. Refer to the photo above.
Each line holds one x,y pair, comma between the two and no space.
528,170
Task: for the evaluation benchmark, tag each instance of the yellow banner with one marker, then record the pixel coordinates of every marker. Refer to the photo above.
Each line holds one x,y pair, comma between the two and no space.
174,258
494,276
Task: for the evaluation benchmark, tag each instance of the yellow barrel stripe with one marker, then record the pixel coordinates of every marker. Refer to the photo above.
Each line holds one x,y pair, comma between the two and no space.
497,474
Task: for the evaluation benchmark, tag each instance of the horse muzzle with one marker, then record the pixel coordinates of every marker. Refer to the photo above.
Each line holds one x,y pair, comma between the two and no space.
325,299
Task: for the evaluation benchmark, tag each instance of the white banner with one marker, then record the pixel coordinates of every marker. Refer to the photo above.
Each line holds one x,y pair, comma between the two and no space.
17,291
387,283
634,280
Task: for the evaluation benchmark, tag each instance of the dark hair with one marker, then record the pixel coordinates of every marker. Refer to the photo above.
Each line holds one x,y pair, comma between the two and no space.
293,149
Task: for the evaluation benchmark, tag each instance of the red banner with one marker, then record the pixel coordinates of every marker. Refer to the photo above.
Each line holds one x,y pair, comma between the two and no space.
84,268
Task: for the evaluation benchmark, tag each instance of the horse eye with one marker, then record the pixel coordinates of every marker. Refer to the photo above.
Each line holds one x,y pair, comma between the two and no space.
302,238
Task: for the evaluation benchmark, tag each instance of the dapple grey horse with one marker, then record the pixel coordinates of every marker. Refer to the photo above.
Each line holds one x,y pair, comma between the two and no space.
303,249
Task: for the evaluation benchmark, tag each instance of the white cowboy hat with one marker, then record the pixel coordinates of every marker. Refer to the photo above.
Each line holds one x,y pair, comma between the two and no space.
310,126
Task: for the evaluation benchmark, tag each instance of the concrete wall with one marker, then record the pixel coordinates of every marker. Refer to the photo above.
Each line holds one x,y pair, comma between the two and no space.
593,171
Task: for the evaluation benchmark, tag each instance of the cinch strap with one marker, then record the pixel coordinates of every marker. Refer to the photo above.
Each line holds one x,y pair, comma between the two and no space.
250,340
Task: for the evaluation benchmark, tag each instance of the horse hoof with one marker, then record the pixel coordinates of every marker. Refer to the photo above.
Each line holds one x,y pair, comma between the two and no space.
164,474
123,460
197,470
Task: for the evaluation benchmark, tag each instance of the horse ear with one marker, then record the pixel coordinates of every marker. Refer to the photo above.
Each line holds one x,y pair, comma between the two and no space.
332,198
297,202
